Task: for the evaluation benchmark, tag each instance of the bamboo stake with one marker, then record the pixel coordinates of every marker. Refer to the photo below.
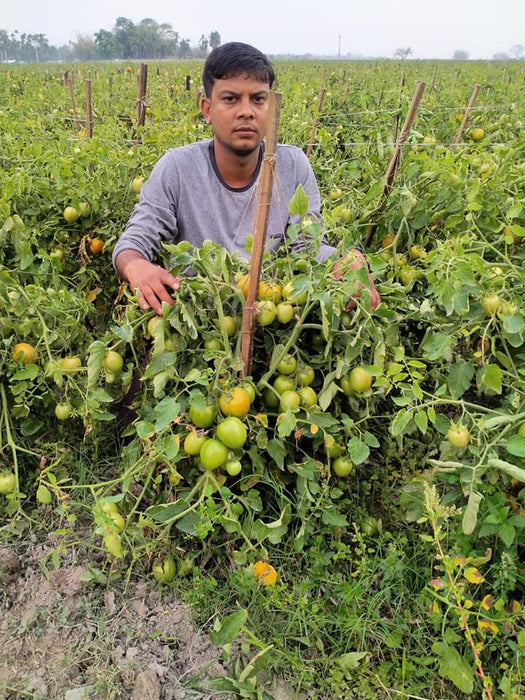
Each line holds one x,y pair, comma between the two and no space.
434,75
316,123
141,94
89,111
398,115
261,226
69,83
466,115
394,160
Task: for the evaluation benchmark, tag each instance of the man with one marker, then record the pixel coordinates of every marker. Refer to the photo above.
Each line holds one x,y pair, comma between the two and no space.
206,191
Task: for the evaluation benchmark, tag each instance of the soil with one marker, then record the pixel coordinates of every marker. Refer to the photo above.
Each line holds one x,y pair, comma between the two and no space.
64,636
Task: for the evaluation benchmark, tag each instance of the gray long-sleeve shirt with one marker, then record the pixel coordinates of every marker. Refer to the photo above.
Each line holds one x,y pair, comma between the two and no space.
186,199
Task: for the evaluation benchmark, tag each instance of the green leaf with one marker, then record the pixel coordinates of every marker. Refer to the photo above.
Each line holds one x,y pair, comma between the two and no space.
331,516
454,667
459,378
358,450
229,629
507,532
490,377
421,420
272,531
516,446
437,346
351,660
167,511
166,411
299,203
29,372
277,451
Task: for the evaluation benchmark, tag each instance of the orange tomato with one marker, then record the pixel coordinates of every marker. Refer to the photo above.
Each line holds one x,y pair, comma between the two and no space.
96,246
235,403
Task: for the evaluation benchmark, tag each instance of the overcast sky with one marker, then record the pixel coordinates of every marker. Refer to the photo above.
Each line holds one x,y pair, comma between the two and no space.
432,28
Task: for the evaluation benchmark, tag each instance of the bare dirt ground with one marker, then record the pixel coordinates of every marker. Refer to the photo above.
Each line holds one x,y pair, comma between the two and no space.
64,637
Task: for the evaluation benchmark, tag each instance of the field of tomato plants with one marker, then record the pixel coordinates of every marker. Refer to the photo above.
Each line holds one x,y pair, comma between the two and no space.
350,517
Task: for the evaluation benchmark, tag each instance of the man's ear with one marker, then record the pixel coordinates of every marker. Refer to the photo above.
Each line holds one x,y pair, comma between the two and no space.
205,109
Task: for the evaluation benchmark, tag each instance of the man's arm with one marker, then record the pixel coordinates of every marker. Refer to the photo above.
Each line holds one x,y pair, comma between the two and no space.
148,280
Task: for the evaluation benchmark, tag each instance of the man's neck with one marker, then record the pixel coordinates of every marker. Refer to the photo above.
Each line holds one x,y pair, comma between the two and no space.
236,170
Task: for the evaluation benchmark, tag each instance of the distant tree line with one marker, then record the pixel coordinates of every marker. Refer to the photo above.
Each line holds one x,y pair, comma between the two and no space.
146,40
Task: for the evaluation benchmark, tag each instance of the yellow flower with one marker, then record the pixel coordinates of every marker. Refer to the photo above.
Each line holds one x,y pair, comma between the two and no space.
265,573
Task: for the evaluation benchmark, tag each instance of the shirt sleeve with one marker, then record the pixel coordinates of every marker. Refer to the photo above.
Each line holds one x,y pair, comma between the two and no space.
153,220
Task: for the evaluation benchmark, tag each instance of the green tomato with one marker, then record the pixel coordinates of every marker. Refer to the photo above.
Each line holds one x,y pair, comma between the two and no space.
213,454
458,436
164,570
267,312
232,432
193,443
71,364
113,362
202,417
289,399
305,375
287,365
283,383
233,467
7,483
490,304
360,380
308,396
342,466
285,312
62,411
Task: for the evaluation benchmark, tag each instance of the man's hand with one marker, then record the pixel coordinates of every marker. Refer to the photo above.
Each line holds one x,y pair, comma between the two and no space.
149,281
355,260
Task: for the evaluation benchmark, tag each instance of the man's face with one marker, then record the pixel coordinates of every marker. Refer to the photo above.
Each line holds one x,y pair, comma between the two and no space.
238,112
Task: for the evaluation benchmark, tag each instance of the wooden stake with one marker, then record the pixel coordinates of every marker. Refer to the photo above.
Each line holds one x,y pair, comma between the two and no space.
466,115
141,94
261,225
394,160
315,124
89,111
69,83
432,83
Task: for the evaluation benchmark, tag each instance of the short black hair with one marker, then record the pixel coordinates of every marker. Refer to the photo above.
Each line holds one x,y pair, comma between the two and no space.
235,58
